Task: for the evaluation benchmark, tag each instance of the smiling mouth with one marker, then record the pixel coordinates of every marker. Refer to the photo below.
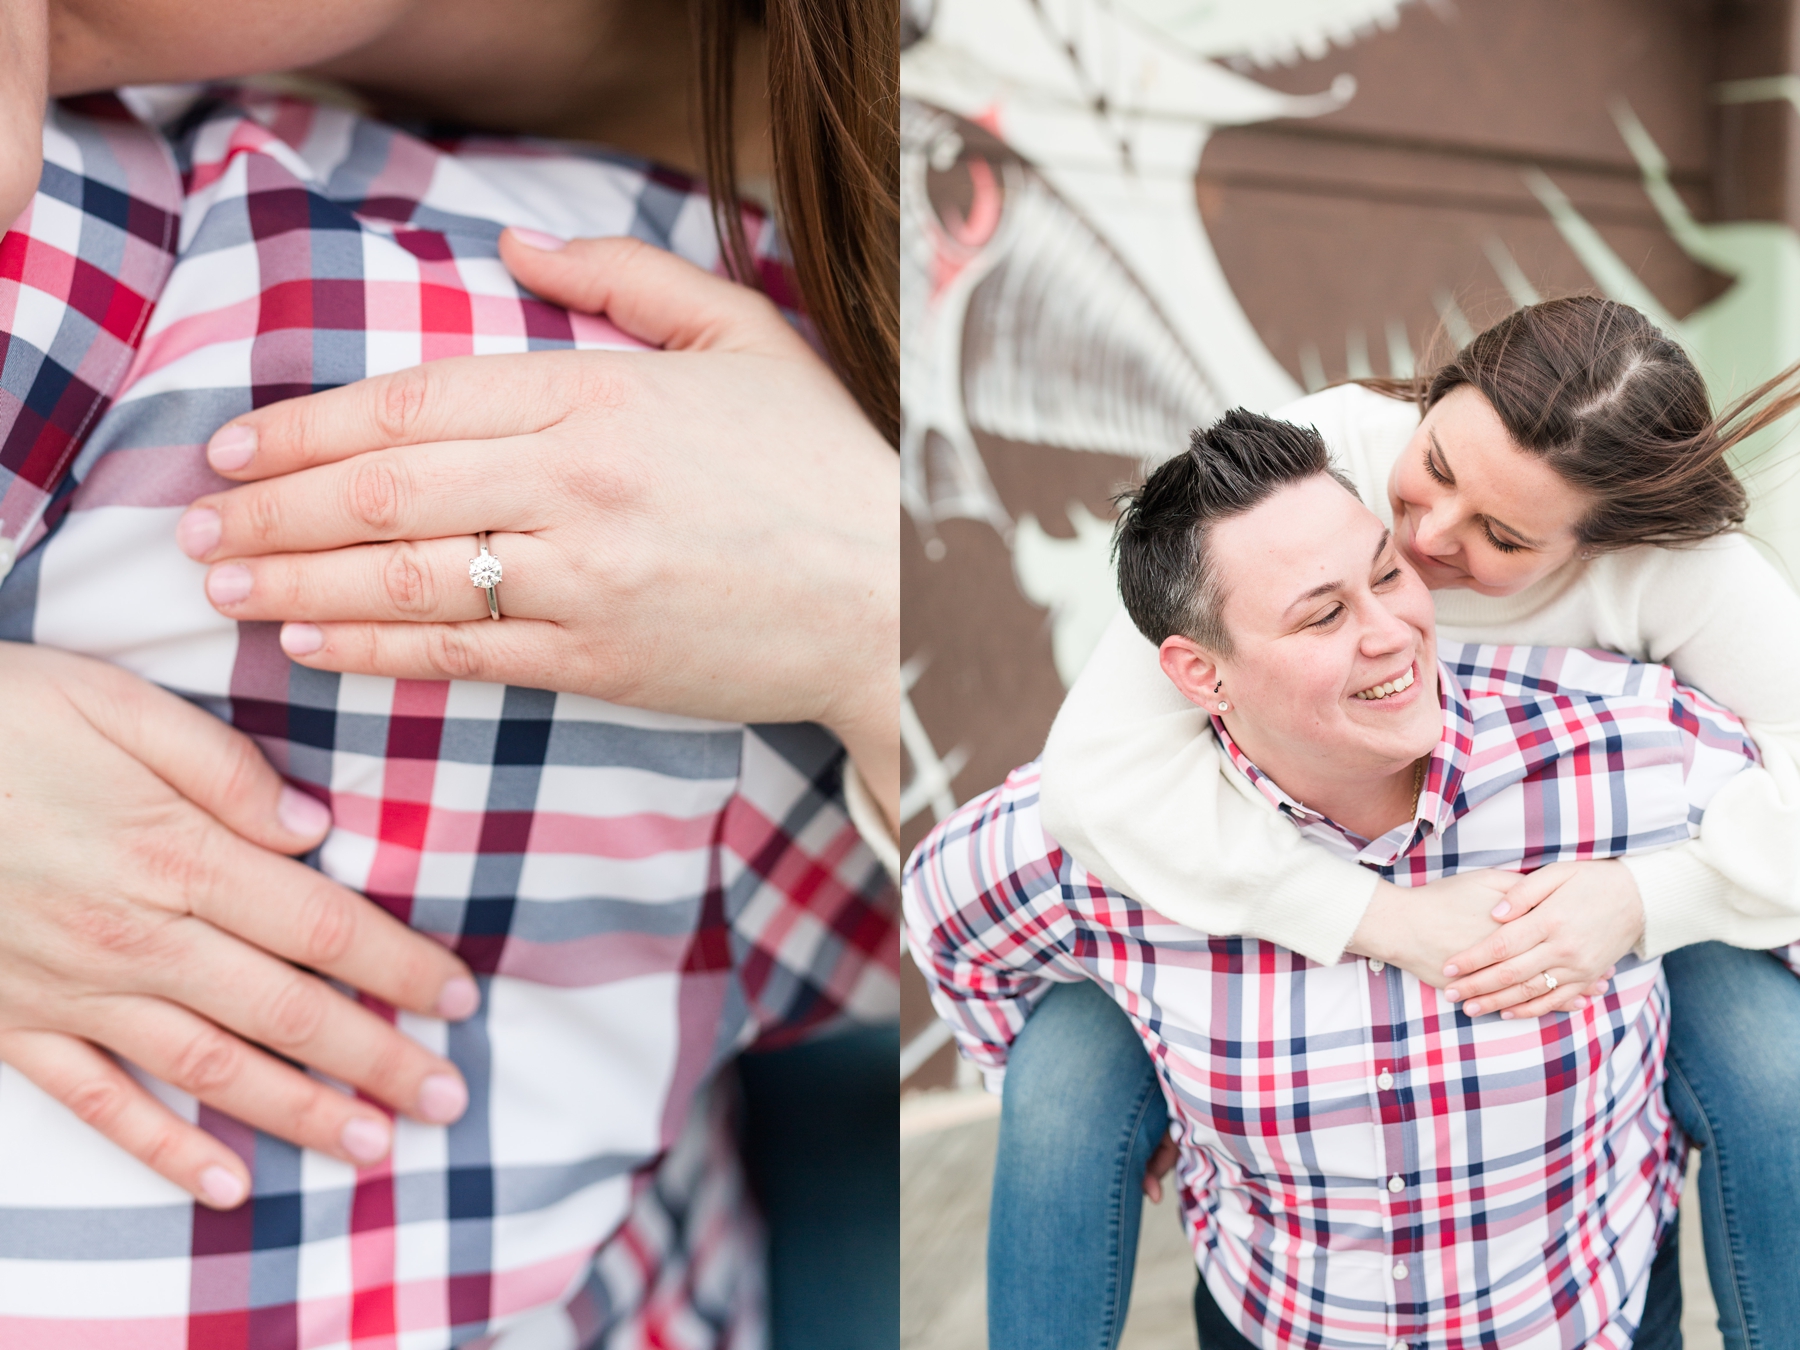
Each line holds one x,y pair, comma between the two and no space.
1381,691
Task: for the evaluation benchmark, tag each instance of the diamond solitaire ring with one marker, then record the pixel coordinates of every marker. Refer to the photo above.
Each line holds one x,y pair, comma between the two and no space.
1549,979
484,571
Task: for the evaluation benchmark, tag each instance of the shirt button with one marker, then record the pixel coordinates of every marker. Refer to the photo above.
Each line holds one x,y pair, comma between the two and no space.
1399,1271
1376,966
1396,1184
1384,1080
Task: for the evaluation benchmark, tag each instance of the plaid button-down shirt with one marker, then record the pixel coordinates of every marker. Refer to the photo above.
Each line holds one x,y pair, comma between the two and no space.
641,895
1362,1164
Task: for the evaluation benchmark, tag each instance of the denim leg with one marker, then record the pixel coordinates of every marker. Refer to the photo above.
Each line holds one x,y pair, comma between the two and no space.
1212,1328
1080,1117
822,1149
1660,1327
1734,1086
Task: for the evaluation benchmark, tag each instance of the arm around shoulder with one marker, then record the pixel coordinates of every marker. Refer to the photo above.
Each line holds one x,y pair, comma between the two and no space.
1728,623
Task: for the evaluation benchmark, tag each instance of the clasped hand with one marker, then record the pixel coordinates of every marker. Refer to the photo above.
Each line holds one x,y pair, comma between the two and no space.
1488,938
706,530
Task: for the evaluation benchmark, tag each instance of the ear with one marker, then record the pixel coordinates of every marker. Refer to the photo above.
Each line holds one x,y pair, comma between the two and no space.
1191,669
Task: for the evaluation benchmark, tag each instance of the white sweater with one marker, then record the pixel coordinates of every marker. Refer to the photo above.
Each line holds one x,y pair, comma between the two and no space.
1132,783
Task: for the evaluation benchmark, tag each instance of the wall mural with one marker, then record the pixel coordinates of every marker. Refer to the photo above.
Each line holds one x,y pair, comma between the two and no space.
1060,293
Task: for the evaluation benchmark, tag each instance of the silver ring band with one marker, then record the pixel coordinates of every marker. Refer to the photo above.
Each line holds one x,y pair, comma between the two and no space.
485,573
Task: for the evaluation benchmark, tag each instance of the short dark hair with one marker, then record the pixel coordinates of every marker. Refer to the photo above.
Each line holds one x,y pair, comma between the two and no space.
1166,574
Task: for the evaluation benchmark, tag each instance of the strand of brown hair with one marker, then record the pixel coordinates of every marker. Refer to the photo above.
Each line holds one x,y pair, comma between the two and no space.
834,122
1618,409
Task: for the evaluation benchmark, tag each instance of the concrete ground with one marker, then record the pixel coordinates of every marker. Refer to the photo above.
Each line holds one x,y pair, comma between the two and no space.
946,1164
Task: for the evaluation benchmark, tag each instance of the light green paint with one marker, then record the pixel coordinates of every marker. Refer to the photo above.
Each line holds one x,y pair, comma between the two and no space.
1745,336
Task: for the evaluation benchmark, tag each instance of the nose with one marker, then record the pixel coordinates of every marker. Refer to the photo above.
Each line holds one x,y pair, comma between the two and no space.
1385,632
1431,534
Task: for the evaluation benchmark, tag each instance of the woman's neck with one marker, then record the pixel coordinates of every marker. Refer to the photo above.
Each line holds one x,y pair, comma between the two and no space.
612,72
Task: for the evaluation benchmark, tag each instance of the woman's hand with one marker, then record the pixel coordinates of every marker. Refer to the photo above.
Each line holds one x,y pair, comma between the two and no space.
1428,931
707,530
1573,921
140,903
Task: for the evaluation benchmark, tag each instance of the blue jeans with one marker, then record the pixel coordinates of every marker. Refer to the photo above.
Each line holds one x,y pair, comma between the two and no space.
1080,1117
1062,1233
821,1145
1734,1086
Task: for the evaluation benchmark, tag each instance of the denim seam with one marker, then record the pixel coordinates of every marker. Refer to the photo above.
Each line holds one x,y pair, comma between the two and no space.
1113,1324
1733,1256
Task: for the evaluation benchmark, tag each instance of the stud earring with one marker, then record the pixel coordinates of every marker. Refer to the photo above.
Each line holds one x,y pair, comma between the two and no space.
1223,706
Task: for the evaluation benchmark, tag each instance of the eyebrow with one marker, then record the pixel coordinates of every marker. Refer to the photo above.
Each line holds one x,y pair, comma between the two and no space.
1326,588
1498,525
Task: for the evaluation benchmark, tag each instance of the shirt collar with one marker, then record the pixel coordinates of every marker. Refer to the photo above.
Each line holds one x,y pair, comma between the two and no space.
1437,794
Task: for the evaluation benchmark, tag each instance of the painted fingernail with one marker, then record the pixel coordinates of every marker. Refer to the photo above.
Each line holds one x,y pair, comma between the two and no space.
1502,909
301,639
1472,1009
459,999
228,583
1506,1017
223,1189
231,448
442,1099
198,532
550,243
366,1139
301,814
1452,995
1451,970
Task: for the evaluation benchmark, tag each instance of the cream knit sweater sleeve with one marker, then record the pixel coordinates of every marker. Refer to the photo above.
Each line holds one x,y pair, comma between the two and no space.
1132,786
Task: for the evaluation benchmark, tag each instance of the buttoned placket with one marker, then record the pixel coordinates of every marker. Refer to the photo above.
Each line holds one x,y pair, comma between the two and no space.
1383,993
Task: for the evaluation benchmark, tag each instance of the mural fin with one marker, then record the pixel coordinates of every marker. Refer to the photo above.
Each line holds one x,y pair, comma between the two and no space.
1607,268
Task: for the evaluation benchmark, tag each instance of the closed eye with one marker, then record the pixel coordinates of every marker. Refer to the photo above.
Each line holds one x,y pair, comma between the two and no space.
1332,617
1389,578
1437,474
1498,542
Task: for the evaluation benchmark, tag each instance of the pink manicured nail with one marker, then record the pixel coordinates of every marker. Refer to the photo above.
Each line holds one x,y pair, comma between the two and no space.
550,243
1472,1009
300,814
223,1189
366,1139
1451,995
442,1099
228,583
1502,909
301,639
459,998
1506,1017
231,448
198,532
1451,970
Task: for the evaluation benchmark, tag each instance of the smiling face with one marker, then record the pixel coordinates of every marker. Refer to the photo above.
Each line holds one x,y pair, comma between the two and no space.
1471,509
1323,616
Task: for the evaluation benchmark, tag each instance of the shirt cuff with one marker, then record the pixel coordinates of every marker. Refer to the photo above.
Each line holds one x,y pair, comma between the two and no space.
870,823
1685,901
1315,905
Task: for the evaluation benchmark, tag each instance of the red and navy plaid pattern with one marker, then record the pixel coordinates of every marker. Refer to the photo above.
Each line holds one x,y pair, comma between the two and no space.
1362,1164
641,895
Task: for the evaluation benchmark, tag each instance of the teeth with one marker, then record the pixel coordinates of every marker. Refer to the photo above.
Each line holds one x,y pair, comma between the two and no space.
1381,691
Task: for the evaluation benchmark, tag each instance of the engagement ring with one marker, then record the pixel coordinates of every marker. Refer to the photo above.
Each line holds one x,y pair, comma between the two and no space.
1549,979
484,571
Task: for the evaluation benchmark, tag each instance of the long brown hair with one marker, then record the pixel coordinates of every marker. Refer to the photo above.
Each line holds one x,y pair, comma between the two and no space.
834,105
1618,409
